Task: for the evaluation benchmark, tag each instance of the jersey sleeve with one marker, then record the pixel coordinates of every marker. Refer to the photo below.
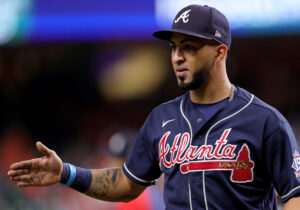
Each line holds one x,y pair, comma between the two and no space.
282,157
142,165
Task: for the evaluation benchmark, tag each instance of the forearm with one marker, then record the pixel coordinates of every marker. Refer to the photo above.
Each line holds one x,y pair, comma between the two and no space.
111,184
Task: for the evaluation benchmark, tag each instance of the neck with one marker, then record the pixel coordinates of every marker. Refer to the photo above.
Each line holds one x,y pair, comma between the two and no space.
214,90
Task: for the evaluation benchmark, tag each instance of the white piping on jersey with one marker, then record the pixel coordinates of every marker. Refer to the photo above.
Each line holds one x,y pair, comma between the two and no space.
205,142
131,174
290,192
191,136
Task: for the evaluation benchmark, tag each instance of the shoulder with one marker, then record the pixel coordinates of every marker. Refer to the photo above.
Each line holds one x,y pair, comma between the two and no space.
164,111
259,108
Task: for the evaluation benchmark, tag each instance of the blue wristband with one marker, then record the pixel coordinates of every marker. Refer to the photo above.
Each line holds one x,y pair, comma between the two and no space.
75,177
72,175
65,174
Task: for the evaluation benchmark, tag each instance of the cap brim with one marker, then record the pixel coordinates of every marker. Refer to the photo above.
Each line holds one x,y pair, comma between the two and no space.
166,34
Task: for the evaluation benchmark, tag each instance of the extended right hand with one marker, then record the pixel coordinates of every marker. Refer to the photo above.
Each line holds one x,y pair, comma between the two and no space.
42,171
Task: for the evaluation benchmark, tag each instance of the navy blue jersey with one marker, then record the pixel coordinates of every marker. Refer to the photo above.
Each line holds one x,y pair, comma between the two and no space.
234,160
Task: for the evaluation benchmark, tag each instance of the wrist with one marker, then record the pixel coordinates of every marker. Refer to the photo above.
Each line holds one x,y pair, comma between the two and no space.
65,173
75,177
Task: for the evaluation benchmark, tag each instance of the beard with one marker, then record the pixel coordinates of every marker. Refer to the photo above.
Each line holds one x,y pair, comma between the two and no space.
198,79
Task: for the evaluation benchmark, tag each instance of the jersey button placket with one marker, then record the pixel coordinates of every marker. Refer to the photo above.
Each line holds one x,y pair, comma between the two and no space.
195,178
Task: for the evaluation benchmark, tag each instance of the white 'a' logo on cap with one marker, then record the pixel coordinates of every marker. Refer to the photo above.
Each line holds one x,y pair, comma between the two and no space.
184,16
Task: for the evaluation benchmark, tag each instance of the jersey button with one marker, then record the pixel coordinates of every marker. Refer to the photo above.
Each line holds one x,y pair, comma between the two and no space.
199,120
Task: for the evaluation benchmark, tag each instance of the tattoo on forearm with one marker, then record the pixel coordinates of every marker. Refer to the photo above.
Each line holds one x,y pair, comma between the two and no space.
115,172
104,183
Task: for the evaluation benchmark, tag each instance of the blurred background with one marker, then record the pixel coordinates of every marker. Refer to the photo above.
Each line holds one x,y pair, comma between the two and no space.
77,75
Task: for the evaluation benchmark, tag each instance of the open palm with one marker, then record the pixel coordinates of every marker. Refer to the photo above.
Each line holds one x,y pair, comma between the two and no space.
42,171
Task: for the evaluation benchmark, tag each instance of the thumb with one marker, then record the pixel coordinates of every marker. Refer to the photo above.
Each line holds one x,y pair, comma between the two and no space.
43,149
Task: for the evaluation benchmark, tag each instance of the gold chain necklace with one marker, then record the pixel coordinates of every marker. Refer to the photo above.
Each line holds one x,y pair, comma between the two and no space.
231,93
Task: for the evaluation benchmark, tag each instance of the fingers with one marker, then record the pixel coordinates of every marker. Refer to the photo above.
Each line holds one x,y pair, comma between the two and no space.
43,149
21,165
13,173
23,184
24,180
19,175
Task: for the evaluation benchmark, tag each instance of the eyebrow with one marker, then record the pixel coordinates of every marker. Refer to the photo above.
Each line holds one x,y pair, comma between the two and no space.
182,41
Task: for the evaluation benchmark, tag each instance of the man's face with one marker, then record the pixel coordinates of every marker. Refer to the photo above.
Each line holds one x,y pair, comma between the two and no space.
192,60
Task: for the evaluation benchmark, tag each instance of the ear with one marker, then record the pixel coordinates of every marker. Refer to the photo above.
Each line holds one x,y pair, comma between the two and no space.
221,52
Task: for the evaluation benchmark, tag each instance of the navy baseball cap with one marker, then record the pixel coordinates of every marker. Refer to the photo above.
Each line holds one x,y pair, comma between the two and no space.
200,21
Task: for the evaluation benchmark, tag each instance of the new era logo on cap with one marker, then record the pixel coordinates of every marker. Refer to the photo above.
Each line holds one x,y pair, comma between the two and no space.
184,16
199,21
217,34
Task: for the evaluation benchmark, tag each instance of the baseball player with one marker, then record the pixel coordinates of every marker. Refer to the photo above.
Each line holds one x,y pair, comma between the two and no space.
218,146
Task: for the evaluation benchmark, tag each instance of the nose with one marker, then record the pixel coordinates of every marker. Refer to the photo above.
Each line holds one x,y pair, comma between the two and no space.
178,56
